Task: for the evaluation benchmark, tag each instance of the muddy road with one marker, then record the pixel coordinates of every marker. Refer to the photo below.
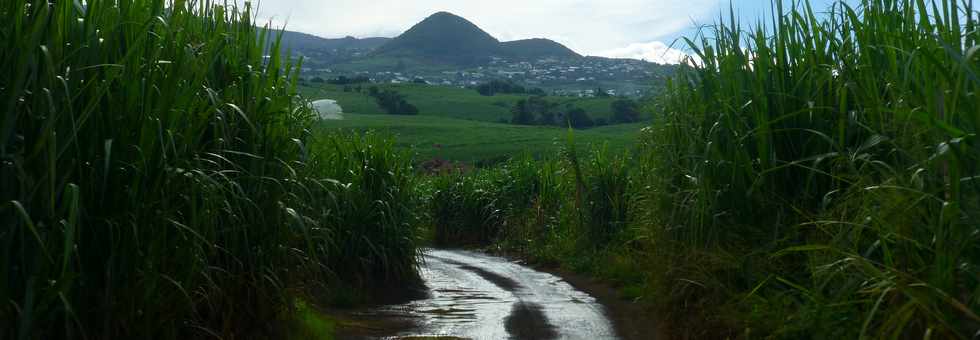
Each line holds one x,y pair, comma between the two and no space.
477,296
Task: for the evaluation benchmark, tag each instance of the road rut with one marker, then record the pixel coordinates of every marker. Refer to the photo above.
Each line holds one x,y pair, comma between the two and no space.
477,296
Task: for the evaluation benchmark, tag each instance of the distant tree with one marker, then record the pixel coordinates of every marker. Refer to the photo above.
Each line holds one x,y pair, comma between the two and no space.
408,109
484,90
599,92
541,104
577,118
419,81
625,111
373,91
344,80
546,117
537,91
536,110
393,102
601,121
521,113
317,80
496,86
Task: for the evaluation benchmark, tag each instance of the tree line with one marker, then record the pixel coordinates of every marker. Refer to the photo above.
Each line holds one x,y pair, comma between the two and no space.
342,80
496,86
392,102
538,110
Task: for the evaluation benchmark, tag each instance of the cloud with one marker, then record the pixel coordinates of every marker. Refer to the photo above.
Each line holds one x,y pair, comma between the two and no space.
655,51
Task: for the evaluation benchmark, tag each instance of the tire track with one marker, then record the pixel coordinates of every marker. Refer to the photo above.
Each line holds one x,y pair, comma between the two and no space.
477,296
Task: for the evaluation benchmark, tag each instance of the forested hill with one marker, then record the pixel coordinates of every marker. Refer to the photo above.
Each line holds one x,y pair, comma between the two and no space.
448,38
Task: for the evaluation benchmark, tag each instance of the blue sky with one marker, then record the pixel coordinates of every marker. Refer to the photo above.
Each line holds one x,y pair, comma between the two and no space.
640,29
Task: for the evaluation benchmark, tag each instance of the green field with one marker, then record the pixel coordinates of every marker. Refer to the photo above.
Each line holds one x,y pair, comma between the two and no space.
472,141
447,101
462,125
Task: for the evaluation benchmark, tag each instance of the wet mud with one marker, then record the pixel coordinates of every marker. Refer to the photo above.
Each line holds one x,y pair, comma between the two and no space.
477,296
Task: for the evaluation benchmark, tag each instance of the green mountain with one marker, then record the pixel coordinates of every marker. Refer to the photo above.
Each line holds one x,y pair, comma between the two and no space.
448,38
443,38
537,48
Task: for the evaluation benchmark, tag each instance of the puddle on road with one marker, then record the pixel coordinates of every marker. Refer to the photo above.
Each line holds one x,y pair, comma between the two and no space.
476,296
527,321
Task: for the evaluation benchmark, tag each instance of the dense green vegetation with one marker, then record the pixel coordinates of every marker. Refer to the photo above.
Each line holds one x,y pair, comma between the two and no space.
816,179
158,180
496,86
446,101
539,110
474,142
625,111
392,102
847,144
455,124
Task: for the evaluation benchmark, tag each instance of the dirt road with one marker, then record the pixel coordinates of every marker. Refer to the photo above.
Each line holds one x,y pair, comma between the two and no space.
477,296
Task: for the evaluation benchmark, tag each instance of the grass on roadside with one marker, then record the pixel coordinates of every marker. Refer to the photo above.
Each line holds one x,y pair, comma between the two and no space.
820,175
158,178
811,177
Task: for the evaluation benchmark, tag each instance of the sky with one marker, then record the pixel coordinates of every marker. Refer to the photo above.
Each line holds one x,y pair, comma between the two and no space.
639,29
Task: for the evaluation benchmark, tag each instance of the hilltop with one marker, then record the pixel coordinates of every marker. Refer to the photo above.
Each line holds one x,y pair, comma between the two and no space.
443,37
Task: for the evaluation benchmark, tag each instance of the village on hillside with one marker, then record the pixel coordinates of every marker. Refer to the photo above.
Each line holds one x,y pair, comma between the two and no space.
577,77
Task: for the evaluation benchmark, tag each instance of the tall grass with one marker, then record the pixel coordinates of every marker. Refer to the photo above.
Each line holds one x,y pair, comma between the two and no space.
809,176
831,160
158,180
370,208
465,209
538,207
602,194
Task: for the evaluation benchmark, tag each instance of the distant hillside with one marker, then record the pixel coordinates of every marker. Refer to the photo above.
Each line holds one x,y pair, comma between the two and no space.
303,41
537,48
449,50
448,38
329,51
